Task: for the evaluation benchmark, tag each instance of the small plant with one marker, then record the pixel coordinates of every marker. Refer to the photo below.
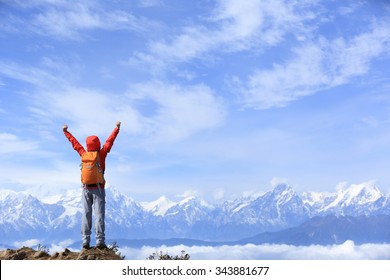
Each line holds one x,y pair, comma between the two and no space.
42,248
166,256
115,248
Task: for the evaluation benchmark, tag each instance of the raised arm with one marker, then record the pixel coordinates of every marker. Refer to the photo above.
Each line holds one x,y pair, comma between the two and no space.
75,144
110,140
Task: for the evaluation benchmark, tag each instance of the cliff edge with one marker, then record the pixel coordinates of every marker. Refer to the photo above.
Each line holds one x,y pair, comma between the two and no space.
27,253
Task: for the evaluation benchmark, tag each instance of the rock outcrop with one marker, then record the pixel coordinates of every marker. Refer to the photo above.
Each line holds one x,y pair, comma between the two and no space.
27,253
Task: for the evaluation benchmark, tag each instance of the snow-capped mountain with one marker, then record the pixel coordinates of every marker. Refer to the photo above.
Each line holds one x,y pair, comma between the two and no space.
187,216
277,209
57,218
24,215
359,199
71,209
280,207
158,207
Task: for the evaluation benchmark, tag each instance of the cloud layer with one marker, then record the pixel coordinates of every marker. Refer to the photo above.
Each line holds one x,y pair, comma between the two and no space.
345,251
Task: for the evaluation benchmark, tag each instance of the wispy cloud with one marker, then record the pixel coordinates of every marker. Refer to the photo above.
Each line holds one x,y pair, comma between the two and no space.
231,27
284,83
157,111
255,23
315,67
68,20
150,3
39,180
29,243
86,111
169,118
38,77
180,111
12,144
315,63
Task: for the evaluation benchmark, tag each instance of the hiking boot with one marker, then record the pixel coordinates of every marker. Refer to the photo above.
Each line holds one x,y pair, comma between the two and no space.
101,246
86,246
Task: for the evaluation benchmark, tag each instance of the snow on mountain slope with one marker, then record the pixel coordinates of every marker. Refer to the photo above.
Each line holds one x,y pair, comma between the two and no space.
59,217
358,199
158,207
271,208
71,201
26,210
23,215
189,210
361,194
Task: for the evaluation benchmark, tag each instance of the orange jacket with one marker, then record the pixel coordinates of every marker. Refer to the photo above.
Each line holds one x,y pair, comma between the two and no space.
93,144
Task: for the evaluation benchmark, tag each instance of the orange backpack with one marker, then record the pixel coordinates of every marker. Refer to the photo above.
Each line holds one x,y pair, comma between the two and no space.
91,172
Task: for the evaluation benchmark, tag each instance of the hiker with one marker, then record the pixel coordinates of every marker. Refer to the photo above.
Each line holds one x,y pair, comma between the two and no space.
92,177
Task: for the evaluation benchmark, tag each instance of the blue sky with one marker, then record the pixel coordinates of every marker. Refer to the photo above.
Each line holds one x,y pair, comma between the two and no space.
216,98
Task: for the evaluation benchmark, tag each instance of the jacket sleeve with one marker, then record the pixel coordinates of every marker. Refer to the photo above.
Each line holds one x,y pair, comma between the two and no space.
110,141
75,144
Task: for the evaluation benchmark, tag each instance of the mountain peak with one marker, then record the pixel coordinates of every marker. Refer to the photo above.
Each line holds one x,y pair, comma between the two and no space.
4,193
282,188
158,207
368,187
192,200
361,193
283,193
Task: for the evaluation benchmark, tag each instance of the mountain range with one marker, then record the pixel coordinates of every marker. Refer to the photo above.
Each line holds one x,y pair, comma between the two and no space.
273,216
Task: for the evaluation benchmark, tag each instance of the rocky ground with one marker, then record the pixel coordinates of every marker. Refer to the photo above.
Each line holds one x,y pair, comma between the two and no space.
27,253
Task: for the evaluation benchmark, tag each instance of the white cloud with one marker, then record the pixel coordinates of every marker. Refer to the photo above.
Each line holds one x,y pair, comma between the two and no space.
35,3
345,251
86,111
149,3
175,112
219,194
278,181
155,111
79,17
31,75
350,7
352,58
61,246
28,243
258,22
12,144
285,83
63,22
179,111
66,20
193,41
315,67
233,26
56,179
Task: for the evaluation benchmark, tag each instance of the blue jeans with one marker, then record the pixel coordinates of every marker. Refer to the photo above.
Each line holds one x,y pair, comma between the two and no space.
97,199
